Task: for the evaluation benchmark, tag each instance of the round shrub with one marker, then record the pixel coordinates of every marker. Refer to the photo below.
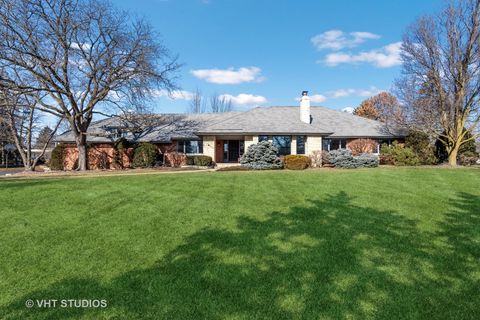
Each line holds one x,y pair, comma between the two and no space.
367,160
145,155
57,158
399,155
468,158
343,158
296,162
261,156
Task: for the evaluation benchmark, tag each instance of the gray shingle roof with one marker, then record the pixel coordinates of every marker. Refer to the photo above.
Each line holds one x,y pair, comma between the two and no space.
279,120
272,120
161,128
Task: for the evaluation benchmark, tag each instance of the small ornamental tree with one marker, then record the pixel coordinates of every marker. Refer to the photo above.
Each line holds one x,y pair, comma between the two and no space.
261,156
359,146
121,147
145,155
57,157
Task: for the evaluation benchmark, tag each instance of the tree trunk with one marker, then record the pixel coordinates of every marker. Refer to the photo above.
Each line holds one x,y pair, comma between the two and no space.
28,168
452,156
82,152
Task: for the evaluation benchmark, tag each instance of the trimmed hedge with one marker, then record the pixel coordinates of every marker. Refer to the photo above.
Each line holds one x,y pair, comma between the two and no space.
233,168
57,158
203,161
145,155
296,162
343,158
261,156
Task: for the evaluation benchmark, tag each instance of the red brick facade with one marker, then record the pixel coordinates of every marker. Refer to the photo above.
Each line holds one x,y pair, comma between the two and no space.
103,156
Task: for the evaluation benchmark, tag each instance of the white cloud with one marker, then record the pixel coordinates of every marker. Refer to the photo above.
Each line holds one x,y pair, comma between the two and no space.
316,98
385,57
174,95
230,75
337,39
341,93
244,99
348,109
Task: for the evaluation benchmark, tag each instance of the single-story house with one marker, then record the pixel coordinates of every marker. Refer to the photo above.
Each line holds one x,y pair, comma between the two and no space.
226,136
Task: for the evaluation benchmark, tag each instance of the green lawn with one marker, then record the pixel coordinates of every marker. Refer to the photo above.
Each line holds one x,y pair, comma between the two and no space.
388,243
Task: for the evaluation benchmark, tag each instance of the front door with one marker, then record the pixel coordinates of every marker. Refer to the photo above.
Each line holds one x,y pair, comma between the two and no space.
232,150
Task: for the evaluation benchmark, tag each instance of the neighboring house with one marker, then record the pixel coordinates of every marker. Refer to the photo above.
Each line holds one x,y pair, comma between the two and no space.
226,136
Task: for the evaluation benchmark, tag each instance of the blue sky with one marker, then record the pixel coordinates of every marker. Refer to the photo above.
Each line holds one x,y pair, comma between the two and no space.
264,53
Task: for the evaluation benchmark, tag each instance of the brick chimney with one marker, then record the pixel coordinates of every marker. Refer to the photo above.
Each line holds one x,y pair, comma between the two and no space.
305,107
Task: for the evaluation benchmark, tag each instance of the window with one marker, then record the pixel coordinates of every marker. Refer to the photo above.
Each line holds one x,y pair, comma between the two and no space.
326,144
190,146
334,144
283,144
262,138
301,144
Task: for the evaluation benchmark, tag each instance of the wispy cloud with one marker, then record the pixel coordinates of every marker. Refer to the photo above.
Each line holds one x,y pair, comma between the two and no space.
245,99
337,39
230,75
174,95
385,57
341,93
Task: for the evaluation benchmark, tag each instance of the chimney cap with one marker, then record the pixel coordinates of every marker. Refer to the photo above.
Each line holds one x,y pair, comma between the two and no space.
304,93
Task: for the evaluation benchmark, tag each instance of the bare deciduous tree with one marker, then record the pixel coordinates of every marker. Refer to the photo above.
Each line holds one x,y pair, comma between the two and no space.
440,87
220,103
80,56
197,104
21,118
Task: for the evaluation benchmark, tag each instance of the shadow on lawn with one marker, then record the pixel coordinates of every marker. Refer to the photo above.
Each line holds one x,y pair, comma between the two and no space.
329,260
